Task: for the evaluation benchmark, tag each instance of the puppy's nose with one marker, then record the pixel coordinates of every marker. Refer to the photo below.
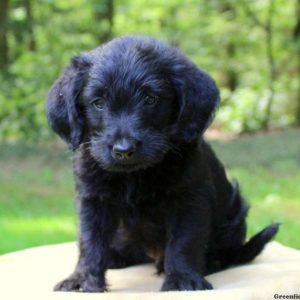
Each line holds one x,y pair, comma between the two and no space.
123,150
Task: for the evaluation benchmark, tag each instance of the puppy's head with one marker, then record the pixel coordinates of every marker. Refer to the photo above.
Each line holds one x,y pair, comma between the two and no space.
131,101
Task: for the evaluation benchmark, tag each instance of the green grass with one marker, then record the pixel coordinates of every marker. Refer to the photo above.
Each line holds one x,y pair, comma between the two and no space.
36,204
37,189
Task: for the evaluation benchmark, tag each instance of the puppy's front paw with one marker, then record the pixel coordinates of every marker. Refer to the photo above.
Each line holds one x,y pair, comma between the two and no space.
185,282
81,283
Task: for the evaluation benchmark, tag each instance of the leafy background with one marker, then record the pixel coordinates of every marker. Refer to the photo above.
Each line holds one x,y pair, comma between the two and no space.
250,48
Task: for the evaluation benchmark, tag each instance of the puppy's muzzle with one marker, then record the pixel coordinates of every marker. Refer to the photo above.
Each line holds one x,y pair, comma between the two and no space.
124,150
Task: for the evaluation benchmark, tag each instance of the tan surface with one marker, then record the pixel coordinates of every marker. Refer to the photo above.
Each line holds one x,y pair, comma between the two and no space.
31,274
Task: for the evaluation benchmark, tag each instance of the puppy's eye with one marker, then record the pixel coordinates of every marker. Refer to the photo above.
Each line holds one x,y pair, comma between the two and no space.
151,100
98,103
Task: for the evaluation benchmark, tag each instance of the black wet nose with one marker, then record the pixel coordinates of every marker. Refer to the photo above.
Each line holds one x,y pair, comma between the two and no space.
123,150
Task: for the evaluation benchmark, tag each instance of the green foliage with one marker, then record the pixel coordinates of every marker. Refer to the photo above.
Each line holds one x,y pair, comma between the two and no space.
44,213
220,36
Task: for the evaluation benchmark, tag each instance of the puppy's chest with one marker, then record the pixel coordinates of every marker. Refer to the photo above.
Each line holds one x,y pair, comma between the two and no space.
144,211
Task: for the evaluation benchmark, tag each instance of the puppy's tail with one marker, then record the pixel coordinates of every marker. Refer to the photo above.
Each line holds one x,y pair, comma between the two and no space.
245,252
248,251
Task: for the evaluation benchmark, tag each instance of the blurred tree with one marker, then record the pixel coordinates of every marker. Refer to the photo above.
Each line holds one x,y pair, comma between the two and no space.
4,52
247,46
227,8
267,27
29,25
297,42
103,14
271,61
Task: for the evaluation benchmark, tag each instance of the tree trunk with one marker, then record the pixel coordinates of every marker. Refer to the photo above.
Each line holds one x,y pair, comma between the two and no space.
232,76
104,13
271,62
297,41
230,48
29,25
4,51
268,30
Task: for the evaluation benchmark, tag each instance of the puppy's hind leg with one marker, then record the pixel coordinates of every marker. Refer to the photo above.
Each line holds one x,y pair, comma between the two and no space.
233,249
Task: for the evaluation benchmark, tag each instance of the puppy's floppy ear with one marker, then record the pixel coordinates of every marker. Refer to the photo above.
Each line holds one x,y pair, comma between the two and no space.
62,104
198,98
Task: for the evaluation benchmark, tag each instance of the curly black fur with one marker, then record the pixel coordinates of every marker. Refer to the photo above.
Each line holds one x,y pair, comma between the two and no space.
149,188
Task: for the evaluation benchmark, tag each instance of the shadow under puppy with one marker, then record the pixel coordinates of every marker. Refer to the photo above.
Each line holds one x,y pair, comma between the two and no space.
148,187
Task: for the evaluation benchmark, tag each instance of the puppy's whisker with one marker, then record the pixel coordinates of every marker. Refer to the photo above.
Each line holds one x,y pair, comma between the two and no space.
175,149
85,143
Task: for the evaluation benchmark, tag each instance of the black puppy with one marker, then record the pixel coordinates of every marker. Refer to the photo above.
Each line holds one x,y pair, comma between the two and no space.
149,188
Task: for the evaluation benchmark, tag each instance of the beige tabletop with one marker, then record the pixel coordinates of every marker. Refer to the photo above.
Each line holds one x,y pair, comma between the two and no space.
31,274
